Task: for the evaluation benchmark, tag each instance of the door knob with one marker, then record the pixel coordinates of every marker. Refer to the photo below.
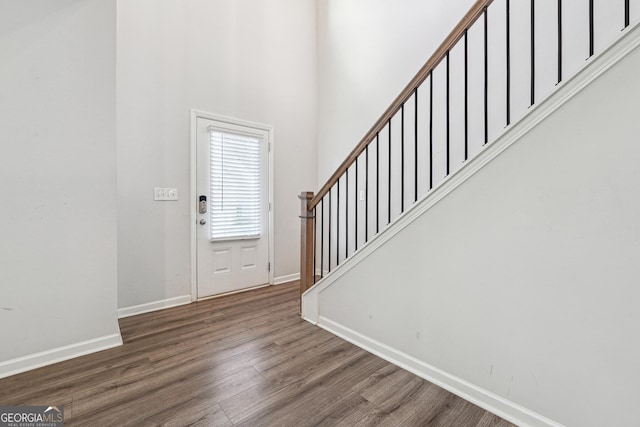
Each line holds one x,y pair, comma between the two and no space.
203,221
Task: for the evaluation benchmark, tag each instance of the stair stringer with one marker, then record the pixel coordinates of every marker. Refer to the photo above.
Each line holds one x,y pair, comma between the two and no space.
524,401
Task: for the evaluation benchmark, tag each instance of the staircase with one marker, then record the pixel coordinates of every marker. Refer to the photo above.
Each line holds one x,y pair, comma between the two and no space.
483,234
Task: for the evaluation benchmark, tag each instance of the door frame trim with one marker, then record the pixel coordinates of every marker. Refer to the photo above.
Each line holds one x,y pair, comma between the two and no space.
198,114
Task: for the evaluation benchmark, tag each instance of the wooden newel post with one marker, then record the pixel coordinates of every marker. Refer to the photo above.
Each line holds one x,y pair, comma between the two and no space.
306,243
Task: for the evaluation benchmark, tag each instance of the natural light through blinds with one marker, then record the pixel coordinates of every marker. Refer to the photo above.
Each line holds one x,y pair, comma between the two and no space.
235,186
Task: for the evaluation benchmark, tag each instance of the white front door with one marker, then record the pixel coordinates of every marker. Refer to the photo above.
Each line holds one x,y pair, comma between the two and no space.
232,192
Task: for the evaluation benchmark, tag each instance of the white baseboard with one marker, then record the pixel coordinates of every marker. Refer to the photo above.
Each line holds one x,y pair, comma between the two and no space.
154,306
292,277
60,354
485,399
285,279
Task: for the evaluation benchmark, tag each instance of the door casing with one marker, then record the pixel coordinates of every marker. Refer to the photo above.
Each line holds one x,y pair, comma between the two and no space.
193,198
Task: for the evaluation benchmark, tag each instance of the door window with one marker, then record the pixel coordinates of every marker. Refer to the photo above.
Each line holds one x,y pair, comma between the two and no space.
235,202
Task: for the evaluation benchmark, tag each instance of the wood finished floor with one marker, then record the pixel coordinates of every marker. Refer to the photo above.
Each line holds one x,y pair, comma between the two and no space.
245,359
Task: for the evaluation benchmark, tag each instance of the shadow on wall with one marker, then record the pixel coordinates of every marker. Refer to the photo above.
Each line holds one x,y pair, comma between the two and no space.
31,13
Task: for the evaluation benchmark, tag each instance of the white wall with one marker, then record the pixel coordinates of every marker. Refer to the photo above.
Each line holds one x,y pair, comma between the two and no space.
252,60
368,50
523,280
58,175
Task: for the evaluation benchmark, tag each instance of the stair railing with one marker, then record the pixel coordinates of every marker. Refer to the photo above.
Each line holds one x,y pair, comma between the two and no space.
323,219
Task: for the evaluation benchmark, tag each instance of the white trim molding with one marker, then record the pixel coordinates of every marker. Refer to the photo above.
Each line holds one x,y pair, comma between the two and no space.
153,306
286,278
60,354
292,277
485,399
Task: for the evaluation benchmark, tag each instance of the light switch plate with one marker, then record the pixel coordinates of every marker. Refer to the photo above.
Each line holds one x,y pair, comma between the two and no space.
164,194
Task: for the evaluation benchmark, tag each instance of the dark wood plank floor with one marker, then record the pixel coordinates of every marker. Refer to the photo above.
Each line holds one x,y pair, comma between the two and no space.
245,359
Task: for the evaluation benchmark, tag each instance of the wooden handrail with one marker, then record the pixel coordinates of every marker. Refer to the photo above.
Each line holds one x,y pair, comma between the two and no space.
458,32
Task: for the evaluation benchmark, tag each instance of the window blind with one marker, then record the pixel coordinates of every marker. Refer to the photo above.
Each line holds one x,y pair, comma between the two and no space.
235,202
